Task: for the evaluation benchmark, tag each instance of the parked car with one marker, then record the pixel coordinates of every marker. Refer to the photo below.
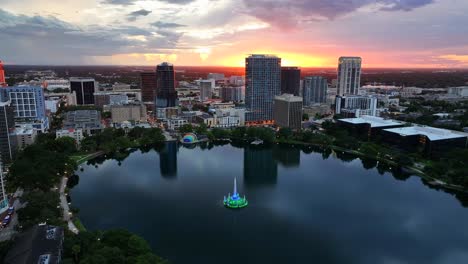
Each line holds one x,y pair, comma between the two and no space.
6,220
11,210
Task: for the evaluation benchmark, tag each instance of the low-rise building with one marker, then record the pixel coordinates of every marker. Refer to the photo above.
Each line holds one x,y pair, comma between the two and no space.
369,125
168,112
175,123
317,109
76,134
356,105
87,120
25,135
459,91
233,93
431,140
39,244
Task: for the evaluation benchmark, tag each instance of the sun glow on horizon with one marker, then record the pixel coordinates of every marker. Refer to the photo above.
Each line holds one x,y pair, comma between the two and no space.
287,59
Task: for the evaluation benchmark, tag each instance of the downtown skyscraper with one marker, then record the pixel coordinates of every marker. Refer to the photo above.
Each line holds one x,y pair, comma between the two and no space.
166,95
349,75
315,90
290,80
263,83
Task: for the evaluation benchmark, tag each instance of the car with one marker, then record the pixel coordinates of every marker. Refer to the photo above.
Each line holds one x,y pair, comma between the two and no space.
6,220
11,210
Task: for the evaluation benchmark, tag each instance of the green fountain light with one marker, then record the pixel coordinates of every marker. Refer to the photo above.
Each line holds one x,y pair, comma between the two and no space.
235,201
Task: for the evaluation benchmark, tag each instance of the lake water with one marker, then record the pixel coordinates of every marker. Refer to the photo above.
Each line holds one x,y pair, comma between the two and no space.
304,207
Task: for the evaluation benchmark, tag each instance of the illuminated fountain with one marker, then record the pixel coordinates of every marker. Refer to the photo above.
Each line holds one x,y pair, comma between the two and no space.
235,201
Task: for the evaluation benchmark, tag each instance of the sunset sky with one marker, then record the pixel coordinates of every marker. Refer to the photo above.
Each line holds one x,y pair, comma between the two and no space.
385,33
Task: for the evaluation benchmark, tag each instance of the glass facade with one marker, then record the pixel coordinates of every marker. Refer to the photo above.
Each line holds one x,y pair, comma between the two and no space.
263,83
315,90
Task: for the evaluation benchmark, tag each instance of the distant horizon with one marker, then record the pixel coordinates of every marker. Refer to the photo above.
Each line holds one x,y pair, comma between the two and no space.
223,66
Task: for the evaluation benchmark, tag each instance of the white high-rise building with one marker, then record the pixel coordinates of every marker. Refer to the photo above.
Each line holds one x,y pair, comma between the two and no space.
349,75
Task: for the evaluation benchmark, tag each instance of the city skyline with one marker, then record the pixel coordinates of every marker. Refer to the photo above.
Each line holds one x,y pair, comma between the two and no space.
385,33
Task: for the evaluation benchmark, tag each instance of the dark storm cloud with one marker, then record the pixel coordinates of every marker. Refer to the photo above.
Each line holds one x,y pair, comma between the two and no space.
287,13
135,14
161,24
48,39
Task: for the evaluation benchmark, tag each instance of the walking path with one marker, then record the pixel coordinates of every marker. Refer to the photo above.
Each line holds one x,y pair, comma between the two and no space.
66,209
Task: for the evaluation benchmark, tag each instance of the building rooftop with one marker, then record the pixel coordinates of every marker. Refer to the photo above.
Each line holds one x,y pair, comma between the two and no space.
289,98
25,129
373,121
263,56
431,132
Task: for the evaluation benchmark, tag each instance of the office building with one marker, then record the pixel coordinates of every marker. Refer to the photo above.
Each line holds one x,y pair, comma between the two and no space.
237,80
128,112
349,75
4,204
206,89
216,76
263,83
168,112
2,74
315,90
76,134
7,126
166,95
458,91
25,135
287,111
54,84
433,141
84,89
87,120
148,86
290,80
368,126
28,101
356,105
41,244
233,94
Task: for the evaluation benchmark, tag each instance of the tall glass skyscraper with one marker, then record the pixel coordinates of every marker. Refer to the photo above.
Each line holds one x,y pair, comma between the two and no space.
290,80
166,95
349,75
84,89
263,83
7,125
315,90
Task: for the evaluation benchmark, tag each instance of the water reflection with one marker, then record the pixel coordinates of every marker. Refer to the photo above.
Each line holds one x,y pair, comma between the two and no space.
333,216
168,160
286,155
260,167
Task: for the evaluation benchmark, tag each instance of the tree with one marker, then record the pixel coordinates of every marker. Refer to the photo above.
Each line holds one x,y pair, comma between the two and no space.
285,133
187,128
305,117
201,129
76,249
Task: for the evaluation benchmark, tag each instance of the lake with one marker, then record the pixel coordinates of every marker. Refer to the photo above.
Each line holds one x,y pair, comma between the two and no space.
305,206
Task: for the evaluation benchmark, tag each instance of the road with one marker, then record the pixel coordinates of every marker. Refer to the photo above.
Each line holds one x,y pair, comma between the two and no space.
67,216
7,232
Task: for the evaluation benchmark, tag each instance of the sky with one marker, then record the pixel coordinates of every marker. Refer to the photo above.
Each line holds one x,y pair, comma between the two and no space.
306,33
